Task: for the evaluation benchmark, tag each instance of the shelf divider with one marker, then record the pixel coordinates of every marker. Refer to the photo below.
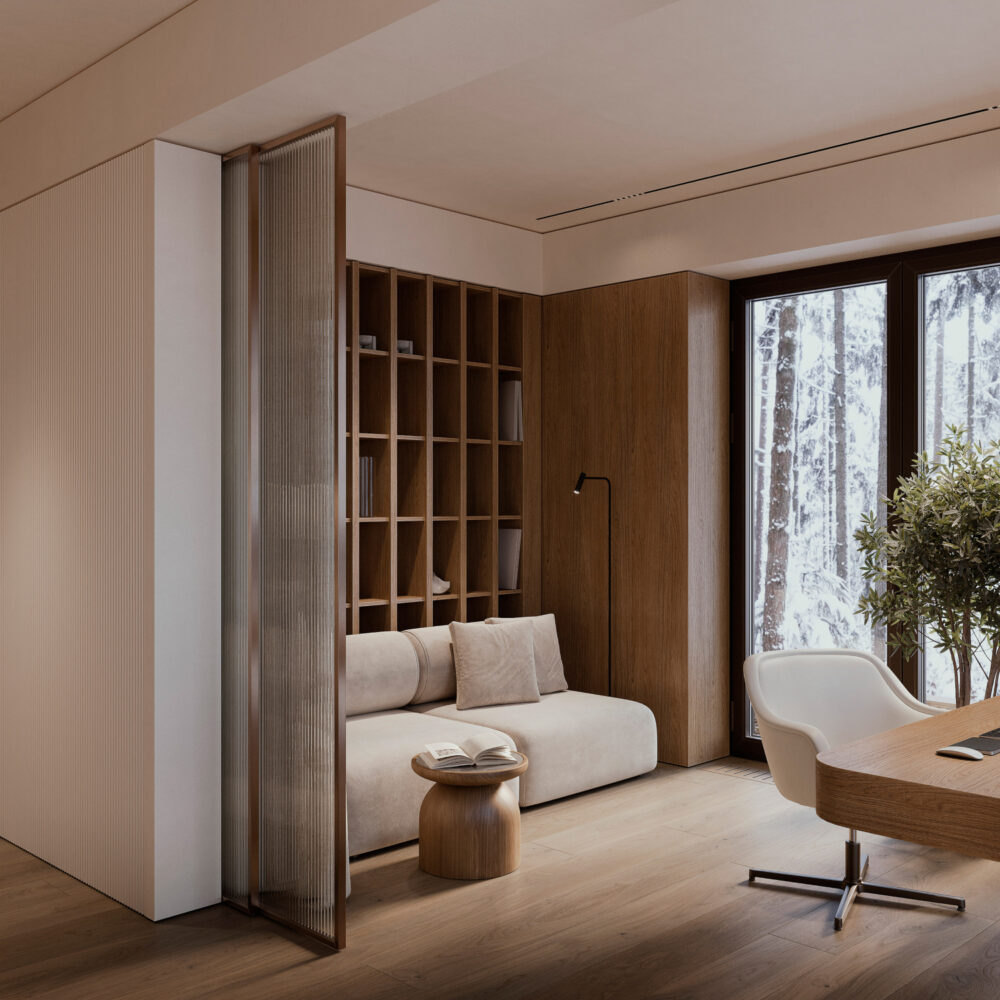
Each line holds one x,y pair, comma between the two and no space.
428,610
494,450
393,454
463,471
354,570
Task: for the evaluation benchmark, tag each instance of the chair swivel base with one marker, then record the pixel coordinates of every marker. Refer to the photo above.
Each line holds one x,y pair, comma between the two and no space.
853,885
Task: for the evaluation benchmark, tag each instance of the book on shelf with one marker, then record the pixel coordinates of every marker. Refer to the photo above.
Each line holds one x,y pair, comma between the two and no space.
511,417
479,750
366,483
508,557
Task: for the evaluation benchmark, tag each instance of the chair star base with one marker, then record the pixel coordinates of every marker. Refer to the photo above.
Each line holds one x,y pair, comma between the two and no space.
853,885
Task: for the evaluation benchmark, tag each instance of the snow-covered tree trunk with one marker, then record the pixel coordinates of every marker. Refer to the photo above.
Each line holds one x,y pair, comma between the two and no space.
840,431
970,396
938,432
767,348
781,480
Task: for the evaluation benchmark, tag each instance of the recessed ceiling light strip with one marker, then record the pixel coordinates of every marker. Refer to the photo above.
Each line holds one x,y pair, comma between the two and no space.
768,163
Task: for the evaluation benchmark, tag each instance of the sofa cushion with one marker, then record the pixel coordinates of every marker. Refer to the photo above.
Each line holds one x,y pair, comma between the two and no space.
437,665
382,672
574,741
494,664
548,659
383,793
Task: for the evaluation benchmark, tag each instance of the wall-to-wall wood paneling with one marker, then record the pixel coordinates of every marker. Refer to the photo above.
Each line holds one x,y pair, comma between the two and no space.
635,388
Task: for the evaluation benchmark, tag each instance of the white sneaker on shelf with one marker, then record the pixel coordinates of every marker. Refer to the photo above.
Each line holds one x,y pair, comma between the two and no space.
439,586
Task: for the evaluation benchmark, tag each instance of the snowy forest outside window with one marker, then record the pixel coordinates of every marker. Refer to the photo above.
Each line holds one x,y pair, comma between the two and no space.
818,437
843,374
961,379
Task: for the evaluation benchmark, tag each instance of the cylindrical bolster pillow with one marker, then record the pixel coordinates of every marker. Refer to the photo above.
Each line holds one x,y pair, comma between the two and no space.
437,663
382,672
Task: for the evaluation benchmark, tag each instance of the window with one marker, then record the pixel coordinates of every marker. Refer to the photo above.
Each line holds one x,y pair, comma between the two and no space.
842,375
961,377
818,425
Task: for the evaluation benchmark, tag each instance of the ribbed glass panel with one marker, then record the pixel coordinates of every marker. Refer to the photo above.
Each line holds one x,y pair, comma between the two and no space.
298,532
235,513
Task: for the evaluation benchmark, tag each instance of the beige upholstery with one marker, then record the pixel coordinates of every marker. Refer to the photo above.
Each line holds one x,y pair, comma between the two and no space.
437,665
574,741
494,664
548,660
382,672
809,700
383,793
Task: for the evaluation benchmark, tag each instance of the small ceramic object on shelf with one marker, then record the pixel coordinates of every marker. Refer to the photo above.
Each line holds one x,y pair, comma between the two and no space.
404,346
439,586
368,342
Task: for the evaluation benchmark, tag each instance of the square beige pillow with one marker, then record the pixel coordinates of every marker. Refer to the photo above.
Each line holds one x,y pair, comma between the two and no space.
548,659
494,664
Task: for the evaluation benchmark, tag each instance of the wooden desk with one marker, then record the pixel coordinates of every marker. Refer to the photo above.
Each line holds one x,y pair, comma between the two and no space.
894,784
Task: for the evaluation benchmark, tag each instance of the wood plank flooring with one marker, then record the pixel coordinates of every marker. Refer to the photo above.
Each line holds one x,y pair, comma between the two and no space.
637,890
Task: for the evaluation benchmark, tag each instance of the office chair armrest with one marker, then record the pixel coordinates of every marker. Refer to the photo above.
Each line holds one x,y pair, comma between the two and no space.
791,749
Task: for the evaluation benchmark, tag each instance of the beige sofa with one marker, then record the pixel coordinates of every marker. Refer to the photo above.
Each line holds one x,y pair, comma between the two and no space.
401,695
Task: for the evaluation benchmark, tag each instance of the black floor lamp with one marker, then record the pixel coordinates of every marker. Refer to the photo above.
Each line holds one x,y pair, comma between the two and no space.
583,477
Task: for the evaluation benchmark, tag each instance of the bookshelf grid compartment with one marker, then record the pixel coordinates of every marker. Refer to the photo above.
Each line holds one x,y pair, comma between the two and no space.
444,481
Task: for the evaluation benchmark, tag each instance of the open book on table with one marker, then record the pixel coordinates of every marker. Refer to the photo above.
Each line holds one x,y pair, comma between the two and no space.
479,750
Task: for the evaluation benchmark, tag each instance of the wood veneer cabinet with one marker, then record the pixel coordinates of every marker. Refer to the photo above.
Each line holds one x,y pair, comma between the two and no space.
636,388
444,481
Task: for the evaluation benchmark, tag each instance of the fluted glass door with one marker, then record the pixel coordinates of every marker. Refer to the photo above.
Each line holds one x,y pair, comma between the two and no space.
285,845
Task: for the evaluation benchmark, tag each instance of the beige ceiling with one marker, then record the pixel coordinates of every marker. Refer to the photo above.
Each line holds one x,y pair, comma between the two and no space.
44,42
516,109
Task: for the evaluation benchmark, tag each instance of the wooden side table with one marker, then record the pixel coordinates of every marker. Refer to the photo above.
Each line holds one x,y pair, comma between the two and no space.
470,824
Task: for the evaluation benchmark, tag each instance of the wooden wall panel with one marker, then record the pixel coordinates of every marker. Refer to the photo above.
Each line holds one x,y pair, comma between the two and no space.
616,368
708,517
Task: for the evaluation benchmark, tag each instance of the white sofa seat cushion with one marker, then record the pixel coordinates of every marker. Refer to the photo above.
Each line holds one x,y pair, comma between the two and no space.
574,741
383,793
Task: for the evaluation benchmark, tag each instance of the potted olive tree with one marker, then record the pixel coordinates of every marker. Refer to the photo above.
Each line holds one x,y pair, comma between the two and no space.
933,570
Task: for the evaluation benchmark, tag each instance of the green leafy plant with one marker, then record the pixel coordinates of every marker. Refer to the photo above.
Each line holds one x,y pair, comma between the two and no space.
933,567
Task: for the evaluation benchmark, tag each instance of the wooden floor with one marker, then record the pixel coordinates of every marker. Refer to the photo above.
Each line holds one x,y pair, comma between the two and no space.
638,890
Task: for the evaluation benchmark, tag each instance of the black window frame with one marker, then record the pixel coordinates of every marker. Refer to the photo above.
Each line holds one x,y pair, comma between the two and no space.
902,273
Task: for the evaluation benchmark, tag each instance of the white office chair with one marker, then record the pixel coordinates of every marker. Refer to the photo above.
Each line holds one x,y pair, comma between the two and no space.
807,701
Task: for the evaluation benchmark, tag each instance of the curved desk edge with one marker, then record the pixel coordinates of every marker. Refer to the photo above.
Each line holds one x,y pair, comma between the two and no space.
893,784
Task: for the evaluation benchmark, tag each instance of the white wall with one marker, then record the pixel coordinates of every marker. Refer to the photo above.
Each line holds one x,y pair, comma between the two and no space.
929,195
75,556
109,528
188,527
399,233
919,197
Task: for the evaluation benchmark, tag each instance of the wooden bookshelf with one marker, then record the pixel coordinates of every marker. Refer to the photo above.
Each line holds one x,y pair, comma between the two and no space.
444,482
